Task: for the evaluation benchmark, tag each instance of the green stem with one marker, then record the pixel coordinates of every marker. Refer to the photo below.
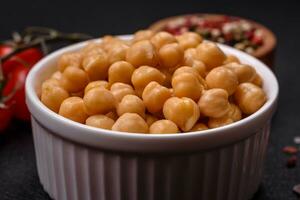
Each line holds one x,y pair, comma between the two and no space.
74,37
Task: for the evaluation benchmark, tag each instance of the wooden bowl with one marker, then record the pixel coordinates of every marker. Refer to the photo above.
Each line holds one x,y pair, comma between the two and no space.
265,52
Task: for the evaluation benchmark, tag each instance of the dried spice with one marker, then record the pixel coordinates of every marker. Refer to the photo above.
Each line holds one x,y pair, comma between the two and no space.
291,162
297,140
232,31
290,150
296,189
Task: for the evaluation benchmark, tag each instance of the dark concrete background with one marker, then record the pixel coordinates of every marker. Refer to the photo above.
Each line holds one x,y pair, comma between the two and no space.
18,176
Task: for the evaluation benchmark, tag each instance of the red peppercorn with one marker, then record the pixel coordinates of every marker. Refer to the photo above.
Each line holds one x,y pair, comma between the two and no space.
249,34
291,162
296,189
226,18
171,30
257,40
228,37
290,150
188,22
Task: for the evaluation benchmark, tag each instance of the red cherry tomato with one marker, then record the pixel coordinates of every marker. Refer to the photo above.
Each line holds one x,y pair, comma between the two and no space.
28,57
14,90
6,114
5,49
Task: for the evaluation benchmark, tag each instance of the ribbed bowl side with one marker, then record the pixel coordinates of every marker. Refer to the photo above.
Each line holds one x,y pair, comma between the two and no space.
69,170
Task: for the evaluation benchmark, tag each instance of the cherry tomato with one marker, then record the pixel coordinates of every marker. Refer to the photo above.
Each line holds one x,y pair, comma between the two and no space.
5,49
28,57
14,90
6,114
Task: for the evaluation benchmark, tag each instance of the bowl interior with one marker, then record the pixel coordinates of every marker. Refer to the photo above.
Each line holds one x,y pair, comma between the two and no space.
114,140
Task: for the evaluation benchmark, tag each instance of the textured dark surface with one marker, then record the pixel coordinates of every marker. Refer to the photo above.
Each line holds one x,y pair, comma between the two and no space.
18,175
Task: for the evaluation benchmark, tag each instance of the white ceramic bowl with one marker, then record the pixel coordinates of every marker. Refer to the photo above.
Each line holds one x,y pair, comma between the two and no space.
78,162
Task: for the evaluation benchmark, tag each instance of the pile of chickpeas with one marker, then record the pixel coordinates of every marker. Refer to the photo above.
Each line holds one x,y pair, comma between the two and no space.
153,83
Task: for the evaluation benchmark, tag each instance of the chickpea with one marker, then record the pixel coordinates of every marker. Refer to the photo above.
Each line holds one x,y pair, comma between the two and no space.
100,121
53,95
144,75
163,126
210,54
159,115
73,109
222,77
77,94
184,112
170,55
69,60
108,39
231,59
150,119
119,90
218,122
234,113
187,85
189,40
126,42
109,42
168,79
113,115
56,75
257,80
50,83
90,47
99,101
172,92
199,127
190,59
117,53
96,65
93,52
249,97
192,70
74,79
172,70
154,96
244,73
189,56
142,35
200,67
96,84
131,104
120,71
142,53
187,69
162,38
131,122
214,103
